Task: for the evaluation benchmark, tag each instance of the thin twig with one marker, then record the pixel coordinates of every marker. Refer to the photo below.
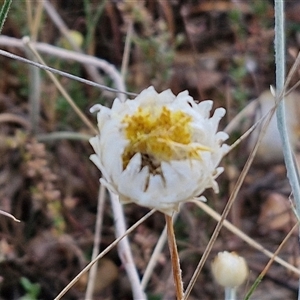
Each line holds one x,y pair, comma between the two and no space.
245,237
62,135
61,89
13,118
104,252
62,27
4,213
34,22
228,206
97,240
152,262
174,258
126,55
84,59
267,267
29,13
290,75
154,257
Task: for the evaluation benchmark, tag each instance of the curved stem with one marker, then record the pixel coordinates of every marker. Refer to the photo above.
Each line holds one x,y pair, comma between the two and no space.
124,249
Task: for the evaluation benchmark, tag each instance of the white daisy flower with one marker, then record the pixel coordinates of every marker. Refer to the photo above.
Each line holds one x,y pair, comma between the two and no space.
159,150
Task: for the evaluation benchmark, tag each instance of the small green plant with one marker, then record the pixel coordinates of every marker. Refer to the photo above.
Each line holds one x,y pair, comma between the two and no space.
32,289
237,23
238,73
93,12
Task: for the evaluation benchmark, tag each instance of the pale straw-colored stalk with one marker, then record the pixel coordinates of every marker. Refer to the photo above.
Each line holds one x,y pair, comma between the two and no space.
174,258
155,254
97,240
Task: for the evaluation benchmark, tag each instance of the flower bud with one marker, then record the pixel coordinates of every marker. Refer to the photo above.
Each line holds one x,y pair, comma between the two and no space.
229,269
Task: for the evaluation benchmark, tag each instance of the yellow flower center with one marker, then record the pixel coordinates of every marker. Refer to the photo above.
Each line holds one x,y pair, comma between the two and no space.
160,134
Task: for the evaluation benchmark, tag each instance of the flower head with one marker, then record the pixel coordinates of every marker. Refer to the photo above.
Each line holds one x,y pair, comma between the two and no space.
159,150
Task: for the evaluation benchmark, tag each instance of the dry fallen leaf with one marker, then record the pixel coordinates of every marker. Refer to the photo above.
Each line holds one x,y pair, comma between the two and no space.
276,214
107,272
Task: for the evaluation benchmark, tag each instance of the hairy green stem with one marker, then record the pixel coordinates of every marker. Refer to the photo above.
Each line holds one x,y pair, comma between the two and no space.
292,171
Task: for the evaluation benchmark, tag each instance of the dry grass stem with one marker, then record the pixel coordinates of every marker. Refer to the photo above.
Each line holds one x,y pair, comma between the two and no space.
245,237
126,55
62,135
13,118
174,258
227,207
34,20
153,260
4,213
97,240
267,267
104,252
60,24
85,120
84,59
156,252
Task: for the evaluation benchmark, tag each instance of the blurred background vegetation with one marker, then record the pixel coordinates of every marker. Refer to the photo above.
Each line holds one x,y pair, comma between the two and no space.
220,50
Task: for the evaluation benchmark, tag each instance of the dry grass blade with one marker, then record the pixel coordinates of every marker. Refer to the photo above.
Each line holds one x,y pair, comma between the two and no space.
112,245
84,59
62,90
246,238
267,267
227,208
97,240
60,24
12,118
156,252
290,75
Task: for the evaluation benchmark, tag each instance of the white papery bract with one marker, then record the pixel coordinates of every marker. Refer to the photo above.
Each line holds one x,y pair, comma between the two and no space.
159,150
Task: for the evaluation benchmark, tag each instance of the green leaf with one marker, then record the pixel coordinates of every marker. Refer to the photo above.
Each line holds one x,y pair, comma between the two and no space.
4,12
